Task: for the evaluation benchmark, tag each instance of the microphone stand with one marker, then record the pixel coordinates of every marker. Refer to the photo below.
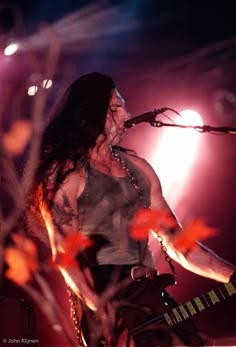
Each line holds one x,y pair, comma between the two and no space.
203,128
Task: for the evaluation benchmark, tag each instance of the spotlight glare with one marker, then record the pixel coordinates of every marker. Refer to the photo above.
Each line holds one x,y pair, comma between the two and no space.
11,49
174,155
47,84
32,90
191,118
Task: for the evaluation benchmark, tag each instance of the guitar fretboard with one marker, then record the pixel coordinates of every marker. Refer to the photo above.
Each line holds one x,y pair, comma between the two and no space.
199,303
189,308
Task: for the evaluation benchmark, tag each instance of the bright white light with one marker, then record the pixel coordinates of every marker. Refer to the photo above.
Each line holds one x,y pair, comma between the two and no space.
32,90
47,84
11,49
174,155
190,117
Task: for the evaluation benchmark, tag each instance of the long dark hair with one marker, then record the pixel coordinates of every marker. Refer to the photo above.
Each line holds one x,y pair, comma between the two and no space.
77,120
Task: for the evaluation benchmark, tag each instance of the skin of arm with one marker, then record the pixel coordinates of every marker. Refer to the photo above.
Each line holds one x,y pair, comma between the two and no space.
198,259
62,221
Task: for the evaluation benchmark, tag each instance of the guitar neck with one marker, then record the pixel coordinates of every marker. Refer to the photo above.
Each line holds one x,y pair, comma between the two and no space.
200,303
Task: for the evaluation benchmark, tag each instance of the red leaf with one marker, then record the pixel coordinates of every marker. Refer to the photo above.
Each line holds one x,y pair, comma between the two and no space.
149,219
76,242
73,244
194,230
21,260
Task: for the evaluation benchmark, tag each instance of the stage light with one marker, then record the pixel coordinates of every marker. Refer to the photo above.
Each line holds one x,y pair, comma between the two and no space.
190,117
11,48
47,84
32,90
174,155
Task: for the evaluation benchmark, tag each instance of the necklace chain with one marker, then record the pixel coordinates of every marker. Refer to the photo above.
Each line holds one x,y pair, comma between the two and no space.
134,182
129,173
75,314
72,297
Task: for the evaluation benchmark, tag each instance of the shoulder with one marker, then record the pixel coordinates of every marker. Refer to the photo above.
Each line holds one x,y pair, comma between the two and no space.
142,164
146,169
73,182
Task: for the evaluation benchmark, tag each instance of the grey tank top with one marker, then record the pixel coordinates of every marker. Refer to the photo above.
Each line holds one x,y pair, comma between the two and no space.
106,208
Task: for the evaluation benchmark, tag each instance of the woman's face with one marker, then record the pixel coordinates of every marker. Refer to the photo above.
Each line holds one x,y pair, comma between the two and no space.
116,116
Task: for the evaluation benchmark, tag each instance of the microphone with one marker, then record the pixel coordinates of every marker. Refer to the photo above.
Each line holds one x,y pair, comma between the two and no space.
148,117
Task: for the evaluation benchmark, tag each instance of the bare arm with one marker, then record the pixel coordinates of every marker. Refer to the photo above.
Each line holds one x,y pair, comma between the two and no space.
198,259
64,214
61,221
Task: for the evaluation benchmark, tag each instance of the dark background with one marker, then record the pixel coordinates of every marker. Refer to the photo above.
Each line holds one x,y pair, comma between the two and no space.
161,53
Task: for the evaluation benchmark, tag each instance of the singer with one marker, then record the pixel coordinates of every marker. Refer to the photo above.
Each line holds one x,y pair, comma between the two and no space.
93,187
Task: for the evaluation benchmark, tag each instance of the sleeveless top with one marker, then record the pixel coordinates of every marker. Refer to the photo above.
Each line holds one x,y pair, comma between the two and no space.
106,208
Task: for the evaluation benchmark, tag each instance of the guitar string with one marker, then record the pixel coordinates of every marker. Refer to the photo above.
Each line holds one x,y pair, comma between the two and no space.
134,182
72,296
161,319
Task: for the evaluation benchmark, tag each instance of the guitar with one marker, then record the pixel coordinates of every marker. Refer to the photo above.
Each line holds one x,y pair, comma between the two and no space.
148,314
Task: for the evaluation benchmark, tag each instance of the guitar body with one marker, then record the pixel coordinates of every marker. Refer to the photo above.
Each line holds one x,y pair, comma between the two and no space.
145,302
